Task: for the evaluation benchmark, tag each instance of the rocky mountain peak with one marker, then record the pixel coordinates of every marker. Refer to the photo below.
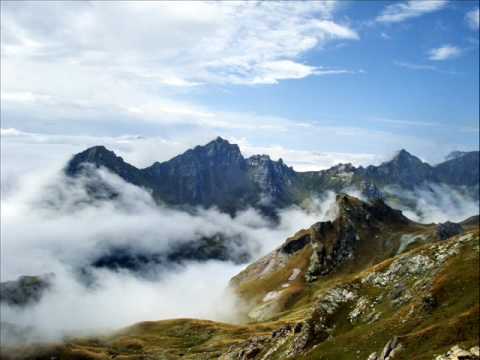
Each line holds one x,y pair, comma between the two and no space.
404,157
404,169
357,212
97,155
266,161
219,146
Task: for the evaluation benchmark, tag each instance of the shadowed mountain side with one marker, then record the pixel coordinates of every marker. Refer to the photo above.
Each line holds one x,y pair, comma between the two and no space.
217,174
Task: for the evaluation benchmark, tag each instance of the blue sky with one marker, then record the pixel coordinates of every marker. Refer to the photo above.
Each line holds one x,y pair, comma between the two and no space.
312,82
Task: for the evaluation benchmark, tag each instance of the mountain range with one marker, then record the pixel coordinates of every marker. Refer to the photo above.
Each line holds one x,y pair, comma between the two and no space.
370,284
217,174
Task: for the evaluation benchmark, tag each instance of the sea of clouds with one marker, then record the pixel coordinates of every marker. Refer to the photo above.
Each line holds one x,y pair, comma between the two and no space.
48,227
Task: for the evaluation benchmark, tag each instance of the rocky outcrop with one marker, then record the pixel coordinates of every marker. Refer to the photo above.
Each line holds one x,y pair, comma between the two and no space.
317,327
274,179
25,290
392,348
448,229
457,353
326,246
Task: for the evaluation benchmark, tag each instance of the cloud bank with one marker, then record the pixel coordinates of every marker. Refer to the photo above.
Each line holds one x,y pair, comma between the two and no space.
437,203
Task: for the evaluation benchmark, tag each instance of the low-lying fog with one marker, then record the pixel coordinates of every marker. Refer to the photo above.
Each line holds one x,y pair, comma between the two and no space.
38,238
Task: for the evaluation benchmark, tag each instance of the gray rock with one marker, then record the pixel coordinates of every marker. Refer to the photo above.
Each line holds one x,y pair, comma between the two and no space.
391,348
448,229
25,290
457,353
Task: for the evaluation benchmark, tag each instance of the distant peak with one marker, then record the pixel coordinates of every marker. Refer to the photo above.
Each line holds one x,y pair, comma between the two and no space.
404,156
218,146
403,153
97,155
94,152
219,140
97,149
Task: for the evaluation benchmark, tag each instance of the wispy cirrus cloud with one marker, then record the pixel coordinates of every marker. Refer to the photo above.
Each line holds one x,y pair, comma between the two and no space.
422,67
444,52
395,13
400,122
413,66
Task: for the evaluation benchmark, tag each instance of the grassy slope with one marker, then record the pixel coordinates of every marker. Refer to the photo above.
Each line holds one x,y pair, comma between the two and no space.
454,320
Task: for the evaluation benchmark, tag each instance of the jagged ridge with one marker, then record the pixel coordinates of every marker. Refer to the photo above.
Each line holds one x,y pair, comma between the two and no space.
218,175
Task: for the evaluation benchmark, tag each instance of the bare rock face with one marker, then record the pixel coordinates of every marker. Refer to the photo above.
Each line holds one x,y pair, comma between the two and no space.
392,347
323,248
316,328
457,353
274,179
448,229
335,242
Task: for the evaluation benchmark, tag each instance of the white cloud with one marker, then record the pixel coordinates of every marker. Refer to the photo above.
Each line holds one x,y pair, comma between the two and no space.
473,18
179,44
335,30
403,11
444,52
93,65
437,203
272,72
